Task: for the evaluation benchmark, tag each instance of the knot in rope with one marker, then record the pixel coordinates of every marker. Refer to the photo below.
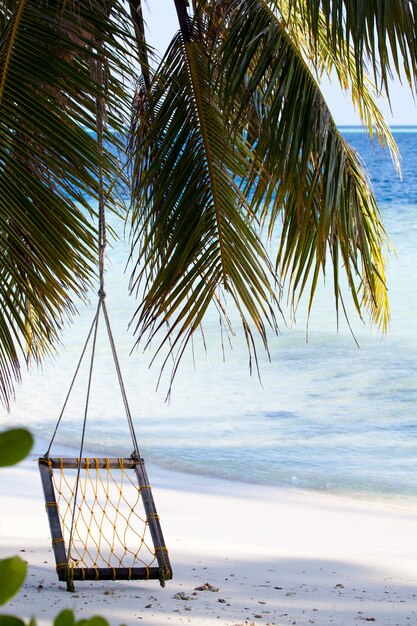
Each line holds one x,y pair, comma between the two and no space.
101,293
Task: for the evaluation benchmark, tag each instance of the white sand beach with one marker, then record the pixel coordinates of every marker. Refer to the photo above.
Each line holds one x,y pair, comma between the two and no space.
277,557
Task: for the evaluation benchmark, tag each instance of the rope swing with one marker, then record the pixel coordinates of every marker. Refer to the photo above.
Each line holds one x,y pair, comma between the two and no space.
101,511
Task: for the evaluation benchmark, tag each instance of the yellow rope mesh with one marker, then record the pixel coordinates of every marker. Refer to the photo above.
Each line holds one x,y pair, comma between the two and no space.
110,524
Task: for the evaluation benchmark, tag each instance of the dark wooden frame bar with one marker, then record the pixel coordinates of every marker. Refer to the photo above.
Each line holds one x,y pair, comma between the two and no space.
163,572
91,463
51,506
108,573
154,525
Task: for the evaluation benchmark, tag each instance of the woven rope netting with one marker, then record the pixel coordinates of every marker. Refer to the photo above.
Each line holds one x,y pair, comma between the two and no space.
110,524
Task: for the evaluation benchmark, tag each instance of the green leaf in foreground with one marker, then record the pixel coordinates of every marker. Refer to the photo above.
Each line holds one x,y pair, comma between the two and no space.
12,575
65,618
93,621
15,445
9,620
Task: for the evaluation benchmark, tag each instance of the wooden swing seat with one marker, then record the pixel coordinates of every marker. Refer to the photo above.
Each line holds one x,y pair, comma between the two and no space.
117,532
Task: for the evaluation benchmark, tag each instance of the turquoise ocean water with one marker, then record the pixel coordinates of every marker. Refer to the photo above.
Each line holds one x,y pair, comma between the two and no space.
328,415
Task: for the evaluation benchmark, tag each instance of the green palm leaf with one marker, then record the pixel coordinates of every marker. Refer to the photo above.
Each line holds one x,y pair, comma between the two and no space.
49,164
189,218
382,33
304,171
322,57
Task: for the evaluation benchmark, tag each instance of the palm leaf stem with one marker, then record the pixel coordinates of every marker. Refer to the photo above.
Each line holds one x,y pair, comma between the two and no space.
12,35
185,31
136,13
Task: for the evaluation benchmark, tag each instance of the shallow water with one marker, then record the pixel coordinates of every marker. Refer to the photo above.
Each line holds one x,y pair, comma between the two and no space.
328,415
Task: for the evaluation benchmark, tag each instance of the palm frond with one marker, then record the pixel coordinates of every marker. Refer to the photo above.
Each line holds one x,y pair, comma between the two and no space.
49,165
382,34
321,57
304,171
190,224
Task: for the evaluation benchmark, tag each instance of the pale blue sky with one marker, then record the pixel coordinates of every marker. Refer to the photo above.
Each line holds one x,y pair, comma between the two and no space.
162,22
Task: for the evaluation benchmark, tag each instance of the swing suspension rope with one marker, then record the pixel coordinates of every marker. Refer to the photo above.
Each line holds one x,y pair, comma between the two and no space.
71,500
101,306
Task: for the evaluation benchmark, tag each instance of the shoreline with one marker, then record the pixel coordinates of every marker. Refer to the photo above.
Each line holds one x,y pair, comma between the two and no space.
165,473
277,556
